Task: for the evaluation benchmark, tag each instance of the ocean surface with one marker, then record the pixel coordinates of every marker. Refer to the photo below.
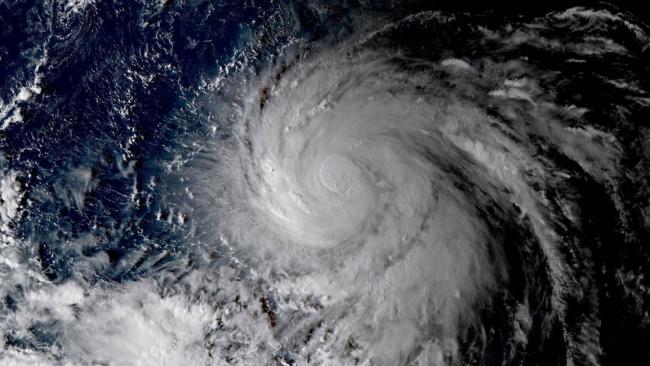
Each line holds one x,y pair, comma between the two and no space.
323,183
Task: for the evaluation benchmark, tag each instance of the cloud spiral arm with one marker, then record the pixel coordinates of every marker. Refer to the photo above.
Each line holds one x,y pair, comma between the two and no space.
374,186
362,186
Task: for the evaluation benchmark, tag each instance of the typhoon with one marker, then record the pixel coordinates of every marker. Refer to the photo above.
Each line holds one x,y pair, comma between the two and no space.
317,183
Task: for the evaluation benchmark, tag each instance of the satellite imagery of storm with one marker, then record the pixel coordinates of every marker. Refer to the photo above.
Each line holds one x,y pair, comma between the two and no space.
324,182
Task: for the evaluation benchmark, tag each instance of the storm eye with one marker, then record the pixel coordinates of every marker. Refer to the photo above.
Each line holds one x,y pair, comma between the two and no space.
323,183
340,175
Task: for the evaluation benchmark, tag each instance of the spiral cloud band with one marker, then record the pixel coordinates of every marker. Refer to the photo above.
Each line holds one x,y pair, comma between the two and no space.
344,173
382,186
387,185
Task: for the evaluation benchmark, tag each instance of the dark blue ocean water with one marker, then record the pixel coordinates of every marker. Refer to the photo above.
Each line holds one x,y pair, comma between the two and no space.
115,79
102,101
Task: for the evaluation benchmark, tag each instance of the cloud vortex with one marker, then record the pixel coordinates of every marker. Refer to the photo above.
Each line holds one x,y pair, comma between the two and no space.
379,188
311,183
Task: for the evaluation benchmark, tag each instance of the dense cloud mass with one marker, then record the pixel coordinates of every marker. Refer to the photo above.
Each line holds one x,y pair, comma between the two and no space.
320,183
